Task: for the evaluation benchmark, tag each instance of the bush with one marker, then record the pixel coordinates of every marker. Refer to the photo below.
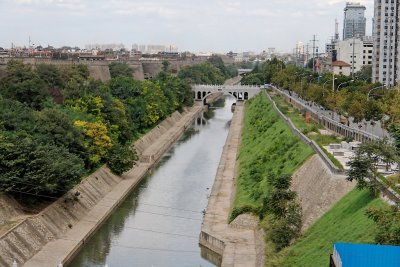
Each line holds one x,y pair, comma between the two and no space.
121,159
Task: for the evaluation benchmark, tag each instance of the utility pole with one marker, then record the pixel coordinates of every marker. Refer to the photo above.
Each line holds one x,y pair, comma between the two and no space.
388,76
307,55
354,42
313,55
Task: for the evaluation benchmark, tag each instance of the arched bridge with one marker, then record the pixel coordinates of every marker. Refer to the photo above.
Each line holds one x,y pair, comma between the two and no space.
240,92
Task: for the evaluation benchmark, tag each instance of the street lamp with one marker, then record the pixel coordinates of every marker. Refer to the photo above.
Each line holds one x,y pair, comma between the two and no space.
382,86
323,86
337,90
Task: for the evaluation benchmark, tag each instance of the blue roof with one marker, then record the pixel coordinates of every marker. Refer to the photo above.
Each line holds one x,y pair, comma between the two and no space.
364,255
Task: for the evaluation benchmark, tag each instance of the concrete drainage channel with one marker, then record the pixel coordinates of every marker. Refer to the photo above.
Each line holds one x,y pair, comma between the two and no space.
58,232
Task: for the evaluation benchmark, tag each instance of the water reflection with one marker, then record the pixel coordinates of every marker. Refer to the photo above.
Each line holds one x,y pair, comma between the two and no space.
159,223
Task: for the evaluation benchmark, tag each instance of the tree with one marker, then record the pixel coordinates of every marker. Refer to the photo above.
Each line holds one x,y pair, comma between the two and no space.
50,74
252,79
165,65
23,85
285,223
365,73
120,69
364,164
388,224
125,87
97,141
57,128
121,159
29,167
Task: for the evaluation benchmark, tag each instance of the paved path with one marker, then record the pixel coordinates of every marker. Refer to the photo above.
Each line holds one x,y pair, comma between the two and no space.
63,248
364,125
237,246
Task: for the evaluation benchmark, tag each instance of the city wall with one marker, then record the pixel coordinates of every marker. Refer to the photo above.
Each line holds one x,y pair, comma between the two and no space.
58,232
143,69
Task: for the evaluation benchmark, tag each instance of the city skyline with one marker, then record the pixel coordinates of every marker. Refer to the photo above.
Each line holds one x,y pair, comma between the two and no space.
217,26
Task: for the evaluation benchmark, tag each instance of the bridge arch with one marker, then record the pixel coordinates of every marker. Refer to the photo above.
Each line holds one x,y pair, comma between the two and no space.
240,92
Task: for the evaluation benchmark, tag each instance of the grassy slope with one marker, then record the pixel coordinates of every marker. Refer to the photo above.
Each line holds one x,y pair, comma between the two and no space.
345,222
298,120
268,146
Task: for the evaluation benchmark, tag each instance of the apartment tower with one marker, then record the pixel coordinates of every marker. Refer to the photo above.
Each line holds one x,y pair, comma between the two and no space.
386,50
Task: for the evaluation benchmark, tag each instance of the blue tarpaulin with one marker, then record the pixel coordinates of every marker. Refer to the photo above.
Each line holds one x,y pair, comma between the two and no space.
364,255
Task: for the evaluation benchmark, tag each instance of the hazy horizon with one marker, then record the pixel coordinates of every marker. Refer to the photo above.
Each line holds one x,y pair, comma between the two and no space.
217,26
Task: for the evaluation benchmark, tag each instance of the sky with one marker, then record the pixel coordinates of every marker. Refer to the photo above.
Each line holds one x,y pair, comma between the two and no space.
197,26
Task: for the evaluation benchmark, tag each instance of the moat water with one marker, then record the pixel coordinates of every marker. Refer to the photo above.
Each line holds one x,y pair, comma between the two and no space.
158,225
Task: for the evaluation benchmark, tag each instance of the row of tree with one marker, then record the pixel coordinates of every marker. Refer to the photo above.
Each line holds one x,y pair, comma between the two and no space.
57,124
356,98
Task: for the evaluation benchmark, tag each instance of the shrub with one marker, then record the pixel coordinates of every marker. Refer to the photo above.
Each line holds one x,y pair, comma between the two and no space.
121,159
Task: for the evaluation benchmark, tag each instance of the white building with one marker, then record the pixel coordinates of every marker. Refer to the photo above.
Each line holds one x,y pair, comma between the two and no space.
341,68
386,47
362,49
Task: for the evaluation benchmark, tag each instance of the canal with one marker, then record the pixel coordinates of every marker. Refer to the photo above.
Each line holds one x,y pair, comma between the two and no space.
159,223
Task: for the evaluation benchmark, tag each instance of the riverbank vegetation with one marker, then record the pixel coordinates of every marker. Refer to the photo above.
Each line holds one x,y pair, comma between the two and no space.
347,221
57,124
269,154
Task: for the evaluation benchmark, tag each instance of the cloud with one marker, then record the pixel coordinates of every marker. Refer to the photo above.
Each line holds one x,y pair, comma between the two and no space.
67,4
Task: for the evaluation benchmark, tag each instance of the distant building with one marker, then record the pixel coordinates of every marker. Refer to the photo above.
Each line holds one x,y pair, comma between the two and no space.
363,52
154,49
341,68
103,47
354,20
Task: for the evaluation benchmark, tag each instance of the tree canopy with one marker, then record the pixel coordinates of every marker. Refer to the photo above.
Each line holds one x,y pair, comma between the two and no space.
48,143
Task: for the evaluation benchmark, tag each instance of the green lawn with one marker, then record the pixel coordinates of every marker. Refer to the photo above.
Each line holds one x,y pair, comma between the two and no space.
345,222
268,146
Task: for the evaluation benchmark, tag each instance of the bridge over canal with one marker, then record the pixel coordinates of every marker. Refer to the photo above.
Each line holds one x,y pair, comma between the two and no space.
240,92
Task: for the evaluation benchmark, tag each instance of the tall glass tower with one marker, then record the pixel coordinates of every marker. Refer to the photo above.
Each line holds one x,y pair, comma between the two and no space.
354,21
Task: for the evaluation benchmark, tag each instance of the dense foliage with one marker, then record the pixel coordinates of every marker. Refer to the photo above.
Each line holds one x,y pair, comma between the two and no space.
57,124
212,72
388,223
120,69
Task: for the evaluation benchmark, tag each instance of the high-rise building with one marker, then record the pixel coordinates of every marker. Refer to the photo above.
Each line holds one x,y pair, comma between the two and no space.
354,20
386,47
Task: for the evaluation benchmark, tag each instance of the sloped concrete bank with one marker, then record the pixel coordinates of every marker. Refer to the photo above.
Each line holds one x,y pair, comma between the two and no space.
57,233
318,189
236,242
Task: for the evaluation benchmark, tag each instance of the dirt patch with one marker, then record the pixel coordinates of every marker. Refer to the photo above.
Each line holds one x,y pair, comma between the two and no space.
245,221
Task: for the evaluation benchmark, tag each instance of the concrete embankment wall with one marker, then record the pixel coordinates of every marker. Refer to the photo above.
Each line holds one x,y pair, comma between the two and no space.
9,209
36,236
28,237
235,242
318,189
